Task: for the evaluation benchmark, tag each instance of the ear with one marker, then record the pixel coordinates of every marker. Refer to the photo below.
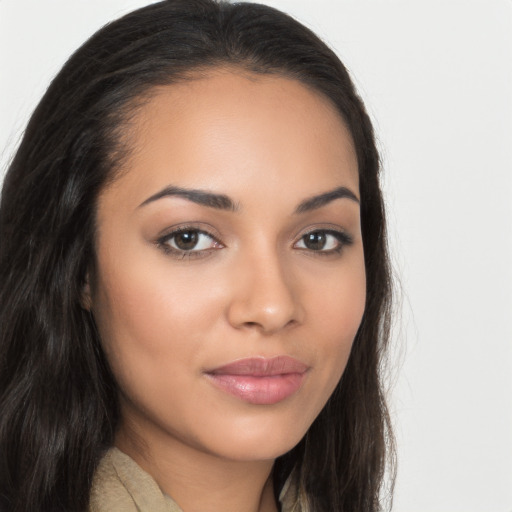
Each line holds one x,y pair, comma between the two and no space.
85,294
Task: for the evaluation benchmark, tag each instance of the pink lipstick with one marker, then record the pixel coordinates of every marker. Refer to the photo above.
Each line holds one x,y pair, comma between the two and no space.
258,380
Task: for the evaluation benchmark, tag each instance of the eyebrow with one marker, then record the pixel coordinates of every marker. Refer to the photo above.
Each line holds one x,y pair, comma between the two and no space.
315,202
202,197
224,202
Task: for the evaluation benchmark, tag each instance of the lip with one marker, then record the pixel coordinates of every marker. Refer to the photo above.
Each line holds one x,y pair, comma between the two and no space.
258,380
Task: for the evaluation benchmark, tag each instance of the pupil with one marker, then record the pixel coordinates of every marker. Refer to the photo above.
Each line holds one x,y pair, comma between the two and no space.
186,240
315,241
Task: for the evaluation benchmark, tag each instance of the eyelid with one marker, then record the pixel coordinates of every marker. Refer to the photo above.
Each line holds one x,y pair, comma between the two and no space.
203,227
344,238
342,235
322,226
170,232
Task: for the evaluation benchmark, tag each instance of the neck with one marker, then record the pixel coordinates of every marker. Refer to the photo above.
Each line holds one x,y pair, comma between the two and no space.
200,481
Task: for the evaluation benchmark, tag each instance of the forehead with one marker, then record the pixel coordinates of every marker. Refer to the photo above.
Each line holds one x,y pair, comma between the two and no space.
229,126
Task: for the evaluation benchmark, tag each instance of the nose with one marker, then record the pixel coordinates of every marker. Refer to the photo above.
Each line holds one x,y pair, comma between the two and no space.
266,297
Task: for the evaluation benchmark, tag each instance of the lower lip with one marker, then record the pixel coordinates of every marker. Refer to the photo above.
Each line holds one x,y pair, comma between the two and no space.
264,390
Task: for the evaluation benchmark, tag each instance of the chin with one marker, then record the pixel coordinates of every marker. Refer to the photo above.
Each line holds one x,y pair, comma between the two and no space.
255,442
256,451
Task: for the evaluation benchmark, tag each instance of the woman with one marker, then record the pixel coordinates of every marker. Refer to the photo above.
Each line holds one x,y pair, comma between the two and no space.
194,277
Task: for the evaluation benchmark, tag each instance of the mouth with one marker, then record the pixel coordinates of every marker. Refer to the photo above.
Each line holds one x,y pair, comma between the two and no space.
258,380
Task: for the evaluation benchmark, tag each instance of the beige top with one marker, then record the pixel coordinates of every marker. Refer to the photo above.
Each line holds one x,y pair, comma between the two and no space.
121,485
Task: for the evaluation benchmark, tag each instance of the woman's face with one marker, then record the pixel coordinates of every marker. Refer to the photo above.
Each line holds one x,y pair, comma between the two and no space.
230,278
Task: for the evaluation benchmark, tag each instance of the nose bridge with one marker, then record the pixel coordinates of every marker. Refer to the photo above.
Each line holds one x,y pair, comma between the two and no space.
265,295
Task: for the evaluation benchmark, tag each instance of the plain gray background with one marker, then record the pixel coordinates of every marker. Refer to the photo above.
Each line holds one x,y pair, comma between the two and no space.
437,79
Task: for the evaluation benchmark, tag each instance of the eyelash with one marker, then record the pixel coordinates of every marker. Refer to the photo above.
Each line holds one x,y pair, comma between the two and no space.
343,239
163,243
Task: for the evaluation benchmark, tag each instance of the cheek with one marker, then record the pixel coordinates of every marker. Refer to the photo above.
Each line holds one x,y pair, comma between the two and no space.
147,313
335,313
339,294
158,322
151,324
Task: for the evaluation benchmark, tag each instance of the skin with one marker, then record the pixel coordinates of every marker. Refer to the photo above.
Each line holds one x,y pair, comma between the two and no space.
252,289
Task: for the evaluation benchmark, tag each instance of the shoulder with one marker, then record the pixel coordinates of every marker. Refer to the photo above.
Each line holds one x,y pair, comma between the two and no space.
292,497
120,484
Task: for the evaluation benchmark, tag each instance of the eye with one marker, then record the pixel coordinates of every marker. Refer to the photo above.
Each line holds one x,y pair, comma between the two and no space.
325,241
188,241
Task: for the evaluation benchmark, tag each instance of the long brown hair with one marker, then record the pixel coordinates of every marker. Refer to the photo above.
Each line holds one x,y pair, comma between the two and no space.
58,399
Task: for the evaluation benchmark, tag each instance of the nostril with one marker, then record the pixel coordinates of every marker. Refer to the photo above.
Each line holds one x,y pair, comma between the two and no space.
266,304
263,326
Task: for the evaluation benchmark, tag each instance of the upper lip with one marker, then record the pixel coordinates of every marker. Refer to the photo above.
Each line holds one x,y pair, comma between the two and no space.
261,367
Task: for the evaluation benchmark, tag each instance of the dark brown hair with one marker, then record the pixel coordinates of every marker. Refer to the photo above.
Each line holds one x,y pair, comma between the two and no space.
58,399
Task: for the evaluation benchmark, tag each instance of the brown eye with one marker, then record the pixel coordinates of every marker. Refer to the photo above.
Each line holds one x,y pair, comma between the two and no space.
186,240
315,241
324,241
189,241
